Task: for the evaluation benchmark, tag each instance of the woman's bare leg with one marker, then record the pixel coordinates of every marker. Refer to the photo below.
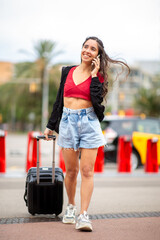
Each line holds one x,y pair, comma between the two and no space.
88,157
71,159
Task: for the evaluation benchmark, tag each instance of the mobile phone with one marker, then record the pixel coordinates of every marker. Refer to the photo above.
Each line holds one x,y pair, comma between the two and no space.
93,65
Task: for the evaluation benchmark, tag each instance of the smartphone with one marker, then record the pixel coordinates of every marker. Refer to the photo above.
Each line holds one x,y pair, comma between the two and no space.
93,66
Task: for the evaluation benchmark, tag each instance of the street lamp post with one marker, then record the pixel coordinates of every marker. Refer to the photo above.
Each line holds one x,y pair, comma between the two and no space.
45,91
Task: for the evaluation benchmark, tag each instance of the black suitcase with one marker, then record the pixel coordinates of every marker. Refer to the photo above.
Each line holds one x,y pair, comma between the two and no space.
44,187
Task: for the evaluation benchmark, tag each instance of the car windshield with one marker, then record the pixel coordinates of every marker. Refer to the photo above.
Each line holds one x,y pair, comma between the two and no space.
123,127
127,126
148,126
120,126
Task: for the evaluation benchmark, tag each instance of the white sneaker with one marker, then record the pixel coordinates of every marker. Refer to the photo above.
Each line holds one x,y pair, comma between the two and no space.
70,214
83,222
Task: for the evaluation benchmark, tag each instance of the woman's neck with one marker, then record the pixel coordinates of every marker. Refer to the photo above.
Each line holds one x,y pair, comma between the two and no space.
85,67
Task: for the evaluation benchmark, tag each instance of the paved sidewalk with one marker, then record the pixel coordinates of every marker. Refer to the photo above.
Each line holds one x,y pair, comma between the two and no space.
111,229
115,194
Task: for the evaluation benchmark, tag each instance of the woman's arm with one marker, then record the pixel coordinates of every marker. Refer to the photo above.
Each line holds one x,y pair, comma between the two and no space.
96,90
55,112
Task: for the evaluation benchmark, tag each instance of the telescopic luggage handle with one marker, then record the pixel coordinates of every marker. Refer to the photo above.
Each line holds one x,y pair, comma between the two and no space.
43,137
53,162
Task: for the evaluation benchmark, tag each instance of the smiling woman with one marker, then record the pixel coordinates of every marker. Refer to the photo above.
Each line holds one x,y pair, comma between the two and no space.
76,115
105,60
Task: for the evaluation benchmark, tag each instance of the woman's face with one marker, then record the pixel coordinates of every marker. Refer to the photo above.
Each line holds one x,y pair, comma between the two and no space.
89,51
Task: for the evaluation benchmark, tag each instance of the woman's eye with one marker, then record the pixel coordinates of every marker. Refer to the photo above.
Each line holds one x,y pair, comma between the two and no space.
93,49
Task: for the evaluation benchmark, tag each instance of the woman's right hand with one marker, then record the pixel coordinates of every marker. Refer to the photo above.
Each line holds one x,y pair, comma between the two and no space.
48,132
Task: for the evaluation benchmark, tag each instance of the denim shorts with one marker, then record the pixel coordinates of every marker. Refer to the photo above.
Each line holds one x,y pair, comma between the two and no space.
80,128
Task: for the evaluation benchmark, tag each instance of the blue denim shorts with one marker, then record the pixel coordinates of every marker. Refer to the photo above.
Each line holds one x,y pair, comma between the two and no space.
80,128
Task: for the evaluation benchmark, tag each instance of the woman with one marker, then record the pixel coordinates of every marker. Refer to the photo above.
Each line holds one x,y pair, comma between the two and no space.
76,116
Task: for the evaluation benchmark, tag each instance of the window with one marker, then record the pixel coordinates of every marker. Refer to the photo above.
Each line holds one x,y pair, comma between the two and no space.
123,127
148,126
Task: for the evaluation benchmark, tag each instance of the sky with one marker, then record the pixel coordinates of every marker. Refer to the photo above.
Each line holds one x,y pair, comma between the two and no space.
129,29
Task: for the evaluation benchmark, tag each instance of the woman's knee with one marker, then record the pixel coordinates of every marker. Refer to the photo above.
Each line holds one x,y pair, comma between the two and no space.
72,173
87,171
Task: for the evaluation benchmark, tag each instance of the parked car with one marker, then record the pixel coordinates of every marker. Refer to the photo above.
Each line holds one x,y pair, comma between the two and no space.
115,126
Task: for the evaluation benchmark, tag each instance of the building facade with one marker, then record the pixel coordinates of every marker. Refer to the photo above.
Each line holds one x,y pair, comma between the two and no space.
6,72
125,89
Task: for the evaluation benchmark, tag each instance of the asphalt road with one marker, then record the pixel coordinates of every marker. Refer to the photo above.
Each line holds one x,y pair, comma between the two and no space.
113,192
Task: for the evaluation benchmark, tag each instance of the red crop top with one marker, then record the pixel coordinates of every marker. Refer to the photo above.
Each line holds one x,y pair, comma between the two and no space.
81,90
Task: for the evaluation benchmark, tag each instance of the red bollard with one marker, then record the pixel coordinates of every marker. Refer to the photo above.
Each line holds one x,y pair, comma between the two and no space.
124,154
151,158
2,151
61,161
28,162
32,151
99,163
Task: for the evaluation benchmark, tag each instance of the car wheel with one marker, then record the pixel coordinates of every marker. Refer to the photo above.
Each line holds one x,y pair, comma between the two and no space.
134,160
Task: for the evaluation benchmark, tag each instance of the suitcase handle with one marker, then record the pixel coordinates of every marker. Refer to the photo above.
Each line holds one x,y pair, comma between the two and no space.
53,162
49,136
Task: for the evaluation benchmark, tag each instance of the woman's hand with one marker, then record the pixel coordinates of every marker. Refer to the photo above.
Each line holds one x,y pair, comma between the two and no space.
96,64
48,132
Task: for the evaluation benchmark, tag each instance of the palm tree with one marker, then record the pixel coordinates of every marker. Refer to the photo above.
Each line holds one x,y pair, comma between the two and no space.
44,51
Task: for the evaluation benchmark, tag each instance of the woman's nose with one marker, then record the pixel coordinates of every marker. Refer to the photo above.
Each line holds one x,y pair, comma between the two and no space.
88,51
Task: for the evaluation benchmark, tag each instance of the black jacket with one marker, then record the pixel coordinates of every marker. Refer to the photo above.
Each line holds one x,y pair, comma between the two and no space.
96,89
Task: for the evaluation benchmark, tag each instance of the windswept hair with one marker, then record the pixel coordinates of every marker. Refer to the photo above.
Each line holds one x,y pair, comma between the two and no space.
104,63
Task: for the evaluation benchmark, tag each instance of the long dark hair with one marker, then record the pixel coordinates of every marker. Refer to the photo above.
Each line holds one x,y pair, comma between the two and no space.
104,63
